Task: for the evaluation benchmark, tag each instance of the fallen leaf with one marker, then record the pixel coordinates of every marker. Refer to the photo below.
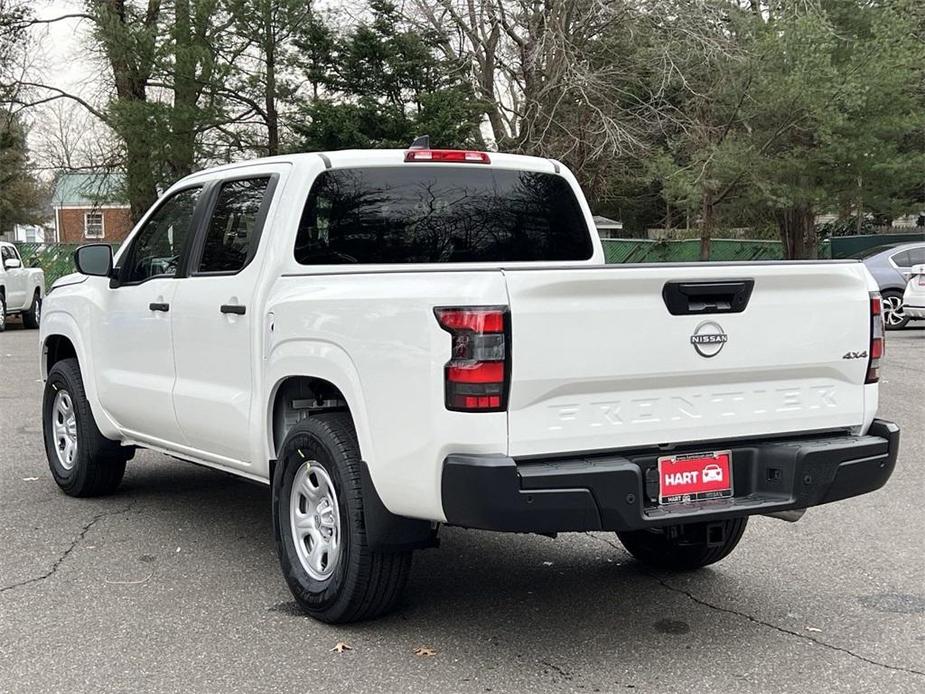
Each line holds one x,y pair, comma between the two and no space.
340,647
424,652
29,479
813,629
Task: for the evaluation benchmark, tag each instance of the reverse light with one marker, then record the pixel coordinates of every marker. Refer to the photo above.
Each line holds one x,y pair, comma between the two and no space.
447,155
877,342
477,377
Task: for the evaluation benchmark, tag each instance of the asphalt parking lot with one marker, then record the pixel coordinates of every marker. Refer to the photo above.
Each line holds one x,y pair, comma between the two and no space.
173,585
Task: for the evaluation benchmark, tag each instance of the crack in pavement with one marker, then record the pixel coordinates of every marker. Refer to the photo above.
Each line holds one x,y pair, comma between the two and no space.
562,671
783,630
64,555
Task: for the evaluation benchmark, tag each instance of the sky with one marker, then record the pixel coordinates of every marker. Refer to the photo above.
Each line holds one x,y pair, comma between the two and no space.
62,44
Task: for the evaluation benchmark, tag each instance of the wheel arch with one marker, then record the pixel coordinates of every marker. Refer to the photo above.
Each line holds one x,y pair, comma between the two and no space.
304,370
61,339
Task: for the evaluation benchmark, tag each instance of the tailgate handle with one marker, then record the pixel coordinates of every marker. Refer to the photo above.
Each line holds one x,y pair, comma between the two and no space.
704,298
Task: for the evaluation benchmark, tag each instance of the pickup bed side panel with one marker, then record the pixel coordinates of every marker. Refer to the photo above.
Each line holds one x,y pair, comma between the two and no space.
379,331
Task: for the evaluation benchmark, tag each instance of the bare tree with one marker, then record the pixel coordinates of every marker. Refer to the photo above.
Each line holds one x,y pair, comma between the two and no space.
586,81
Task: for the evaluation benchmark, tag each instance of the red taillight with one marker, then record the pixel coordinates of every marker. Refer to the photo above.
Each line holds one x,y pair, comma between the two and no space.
920,280
451,155
877,343
477,375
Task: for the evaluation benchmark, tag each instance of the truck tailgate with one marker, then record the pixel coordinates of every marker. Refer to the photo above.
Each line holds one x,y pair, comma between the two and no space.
599,362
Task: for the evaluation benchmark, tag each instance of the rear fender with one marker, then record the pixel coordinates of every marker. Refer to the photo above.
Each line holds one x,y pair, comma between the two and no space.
316,359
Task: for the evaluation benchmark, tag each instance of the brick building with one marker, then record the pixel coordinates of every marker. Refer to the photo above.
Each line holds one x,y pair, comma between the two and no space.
90,207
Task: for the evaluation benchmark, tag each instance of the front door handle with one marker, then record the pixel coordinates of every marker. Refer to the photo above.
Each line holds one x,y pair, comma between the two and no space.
236,309
155,306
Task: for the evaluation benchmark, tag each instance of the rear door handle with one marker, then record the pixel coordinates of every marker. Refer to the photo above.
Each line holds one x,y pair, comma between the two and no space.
159,307
236,309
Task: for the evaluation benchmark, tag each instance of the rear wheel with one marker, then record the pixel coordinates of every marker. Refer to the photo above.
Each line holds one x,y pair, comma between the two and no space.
31,318
319,526
2,312
82,461
894,317
684,547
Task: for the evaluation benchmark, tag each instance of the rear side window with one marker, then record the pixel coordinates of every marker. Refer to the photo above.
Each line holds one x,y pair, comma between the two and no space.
440,214
901,259
917,256
234,228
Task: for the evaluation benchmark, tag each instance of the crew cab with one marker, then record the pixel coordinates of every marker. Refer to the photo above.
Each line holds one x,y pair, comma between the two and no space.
395,340
21,289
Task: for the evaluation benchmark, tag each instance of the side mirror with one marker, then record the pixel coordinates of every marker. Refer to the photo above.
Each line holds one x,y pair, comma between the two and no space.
12,263
94,259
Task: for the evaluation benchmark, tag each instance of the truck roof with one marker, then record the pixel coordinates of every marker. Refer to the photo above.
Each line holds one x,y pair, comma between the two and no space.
383,157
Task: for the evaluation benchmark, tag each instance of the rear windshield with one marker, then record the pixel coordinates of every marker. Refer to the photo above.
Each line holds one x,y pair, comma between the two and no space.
440,214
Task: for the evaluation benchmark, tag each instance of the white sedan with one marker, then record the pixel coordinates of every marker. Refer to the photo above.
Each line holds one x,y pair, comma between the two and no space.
914,296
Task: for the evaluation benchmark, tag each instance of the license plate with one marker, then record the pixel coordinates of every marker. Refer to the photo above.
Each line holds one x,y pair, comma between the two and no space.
694,477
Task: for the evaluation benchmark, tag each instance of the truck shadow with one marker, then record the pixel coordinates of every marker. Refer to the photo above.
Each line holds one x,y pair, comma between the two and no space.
491,595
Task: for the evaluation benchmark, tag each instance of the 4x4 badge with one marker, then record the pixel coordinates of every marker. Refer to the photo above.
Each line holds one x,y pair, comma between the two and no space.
855,355
708,339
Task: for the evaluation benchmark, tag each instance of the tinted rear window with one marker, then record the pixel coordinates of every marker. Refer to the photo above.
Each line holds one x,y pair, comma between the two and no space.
440,214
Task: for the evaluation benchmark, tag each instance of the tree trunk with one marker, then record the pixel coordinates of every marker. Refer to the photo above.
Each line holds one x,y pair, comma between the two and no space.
140,184
185,94
797,229
272,115
706,224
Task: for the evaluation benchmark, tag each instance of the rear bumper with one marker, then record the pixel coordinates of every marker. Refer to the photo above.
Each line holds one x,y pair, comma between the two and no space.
914,311
618,491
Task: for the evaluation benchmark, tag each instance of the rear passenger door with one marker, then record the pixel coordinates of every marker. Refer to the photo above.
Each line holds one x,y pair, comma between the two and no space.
216,322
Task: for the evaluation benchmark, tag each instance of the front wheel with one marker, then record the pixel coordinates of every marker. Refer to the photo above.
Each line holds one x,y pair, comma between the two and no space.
319,526
32,317
2,312
894,317
82,461
684,547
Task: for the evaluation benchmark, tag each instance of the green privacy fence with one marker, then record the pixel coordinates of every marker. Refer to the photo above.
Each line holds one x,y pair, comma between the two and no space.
57,259
845,246
688,250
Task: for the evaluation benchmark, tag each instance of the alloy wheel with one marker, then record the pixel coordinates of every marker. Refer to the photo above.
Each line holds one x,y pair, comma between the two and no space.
893,314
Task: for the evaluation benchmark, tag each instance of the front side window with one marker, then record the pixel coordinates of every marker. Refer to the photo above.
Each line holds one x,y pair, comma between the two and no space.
159,245
93,225
440,214
233,233
6,253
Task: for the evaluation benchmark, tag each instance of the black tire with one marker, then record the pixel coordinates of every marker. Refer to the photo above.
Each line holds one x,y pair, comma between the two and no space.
2,312
896,297
31,318
364,584
98,463
684,547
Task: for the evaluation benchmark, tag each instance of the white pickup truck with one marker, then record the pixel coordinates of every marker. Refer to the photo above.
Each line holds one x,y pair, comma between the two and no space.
21,289
394,340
